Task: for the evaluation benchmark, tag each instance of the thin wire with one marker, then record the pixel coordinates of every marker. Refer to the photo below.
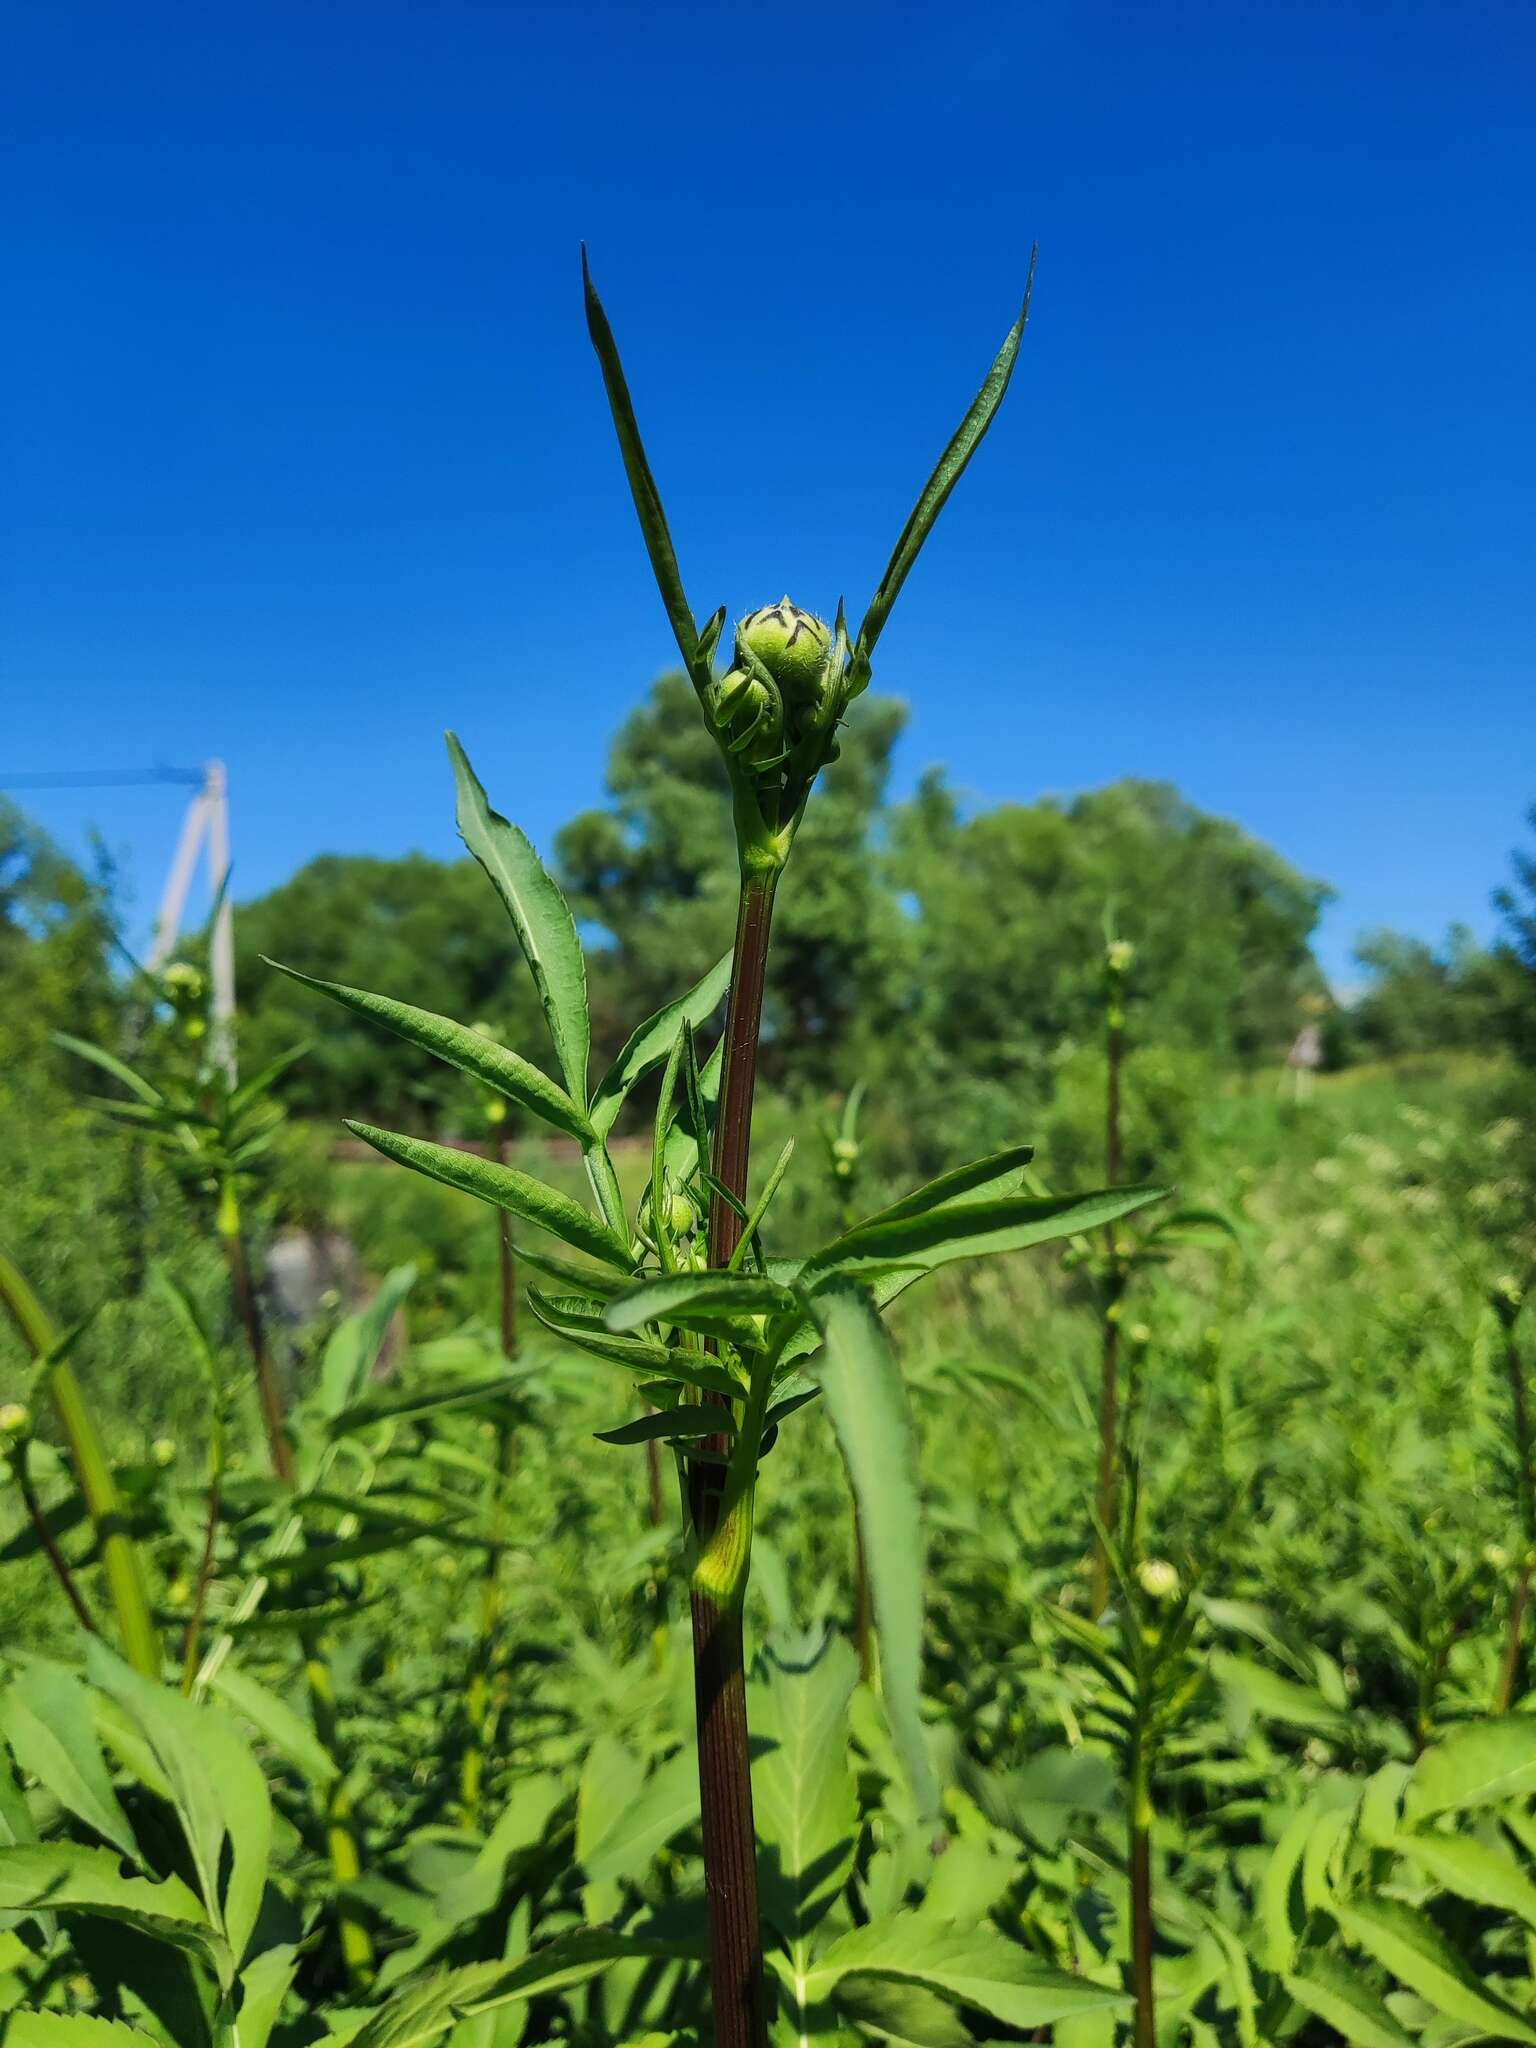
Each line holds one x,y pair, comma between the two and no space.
104,778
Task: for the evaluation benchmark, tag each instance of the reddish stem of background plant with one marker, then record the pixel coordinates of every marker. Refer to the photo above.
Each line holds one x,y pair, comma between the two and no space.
720,1694
1520,1594
1109,1377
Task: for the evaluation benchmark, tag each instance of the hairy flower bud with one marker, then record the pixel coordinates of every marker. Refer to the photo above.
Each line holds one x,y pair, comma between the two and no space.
1159,1579
791,644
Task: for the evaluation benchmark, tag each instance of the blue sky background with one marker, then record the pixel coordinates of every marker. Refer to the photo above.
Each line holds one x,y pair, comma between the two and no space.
306,455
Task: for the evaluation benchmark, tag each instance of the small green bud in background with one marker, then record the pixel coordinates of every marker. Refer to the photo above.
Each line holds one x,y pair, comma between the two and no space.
183,983
15,1421
163,1451
845,1156
1140,1335
1118,955
1159,1579
1495,1556
1505,1298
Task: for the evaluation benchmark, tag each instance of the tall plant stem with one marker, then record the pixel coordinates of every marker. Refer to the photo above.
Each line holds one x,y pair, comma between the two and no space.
44,1535
1114,1286
1145,2032
232,1239
189,1650
341,1834
478,1704
1520,1593
720,1690
120,1559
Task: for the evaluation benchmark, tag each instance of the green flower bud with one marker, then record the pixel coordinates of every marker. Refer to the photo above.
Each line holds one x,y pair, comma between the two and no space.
1118,955
183,984
1139,1334
791,644
163,1450
1505,1298
15,1420
1159,1579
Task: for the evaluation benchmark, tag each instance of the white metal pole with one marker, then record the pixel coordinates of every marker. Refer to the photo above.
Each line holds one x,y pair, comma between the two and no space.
173,900
223,948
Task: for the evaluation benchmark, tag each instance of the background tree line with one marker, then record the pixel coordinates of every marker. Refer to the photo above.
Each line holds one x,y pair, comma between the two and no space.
950,957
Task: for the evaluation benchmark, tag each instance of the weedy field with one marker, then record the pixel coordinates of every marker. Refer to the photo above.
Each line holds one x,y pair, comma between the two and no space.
697,1601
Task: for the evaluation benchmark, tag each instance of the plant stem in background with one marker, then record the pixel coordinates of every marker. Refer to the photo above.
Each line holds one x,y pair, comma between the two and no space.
189,1650
478,1704
44,1535
341,1837
1525,1457
1114,1276
720,1693
1141,1891
119,1553
232,1239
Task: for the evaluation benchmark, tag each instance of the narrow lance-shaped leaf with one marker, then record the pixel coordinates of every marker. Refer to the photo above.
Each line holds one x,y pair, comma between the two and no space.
504,1188
703,1298
868,1406
650,1044
642,485
967,1230
540,915
470,1051
951,465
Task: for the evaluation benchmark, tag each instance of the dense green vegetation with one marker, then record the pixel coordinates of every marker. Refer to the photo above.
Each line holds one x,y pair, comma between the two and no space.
1327,1509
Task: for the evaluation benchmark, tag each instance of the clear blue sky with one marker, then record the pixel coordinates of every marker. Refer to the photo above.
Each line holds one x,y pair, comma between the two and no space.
307,456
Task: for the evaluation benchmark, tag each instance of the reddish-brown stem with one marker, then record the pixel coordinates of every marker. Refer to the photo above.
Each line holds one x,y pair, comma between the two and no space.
50,1549
1525,1459
200,1594
1145,2030
720,1694
233,1241
1109,1369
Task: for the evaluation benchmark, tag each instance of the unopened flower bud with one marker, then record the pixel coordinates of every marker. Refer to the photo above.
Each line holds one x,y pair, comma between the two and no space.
1118,955
1159,1579
183,984
791,644
163,1450
1139,1334
15,1420
1505,1297
1495,1556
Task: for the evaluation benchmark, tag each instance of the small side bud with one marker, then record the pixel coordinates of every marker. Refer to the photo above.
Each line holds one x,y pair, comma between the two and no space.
15,1422
163,1451
1118,955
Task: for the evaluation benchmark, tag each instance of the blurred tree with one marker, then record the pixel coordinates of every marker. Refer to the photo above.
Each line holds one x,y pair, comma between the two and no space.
56,938
1516,955
428,931
1423,999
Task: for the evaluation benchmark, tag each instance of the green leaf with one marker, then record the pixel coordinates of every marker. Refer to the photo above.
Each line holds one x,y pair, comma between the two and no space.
868,1406
611,1780
354,1346
73,2030
1411,1946
650,1044
931,1238
997,1174
504,1188
1039,1801
1480,1763
907,2014
216,1785
691,1300
63,1877
264,1984
974,1966
429,1399
289,1733
1329,1988
541,917
963,444
672,1425
803,1794
508,1073
666,1804
45,1716
110,1064
1257,1690
427,2010
1473,1871
642,485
